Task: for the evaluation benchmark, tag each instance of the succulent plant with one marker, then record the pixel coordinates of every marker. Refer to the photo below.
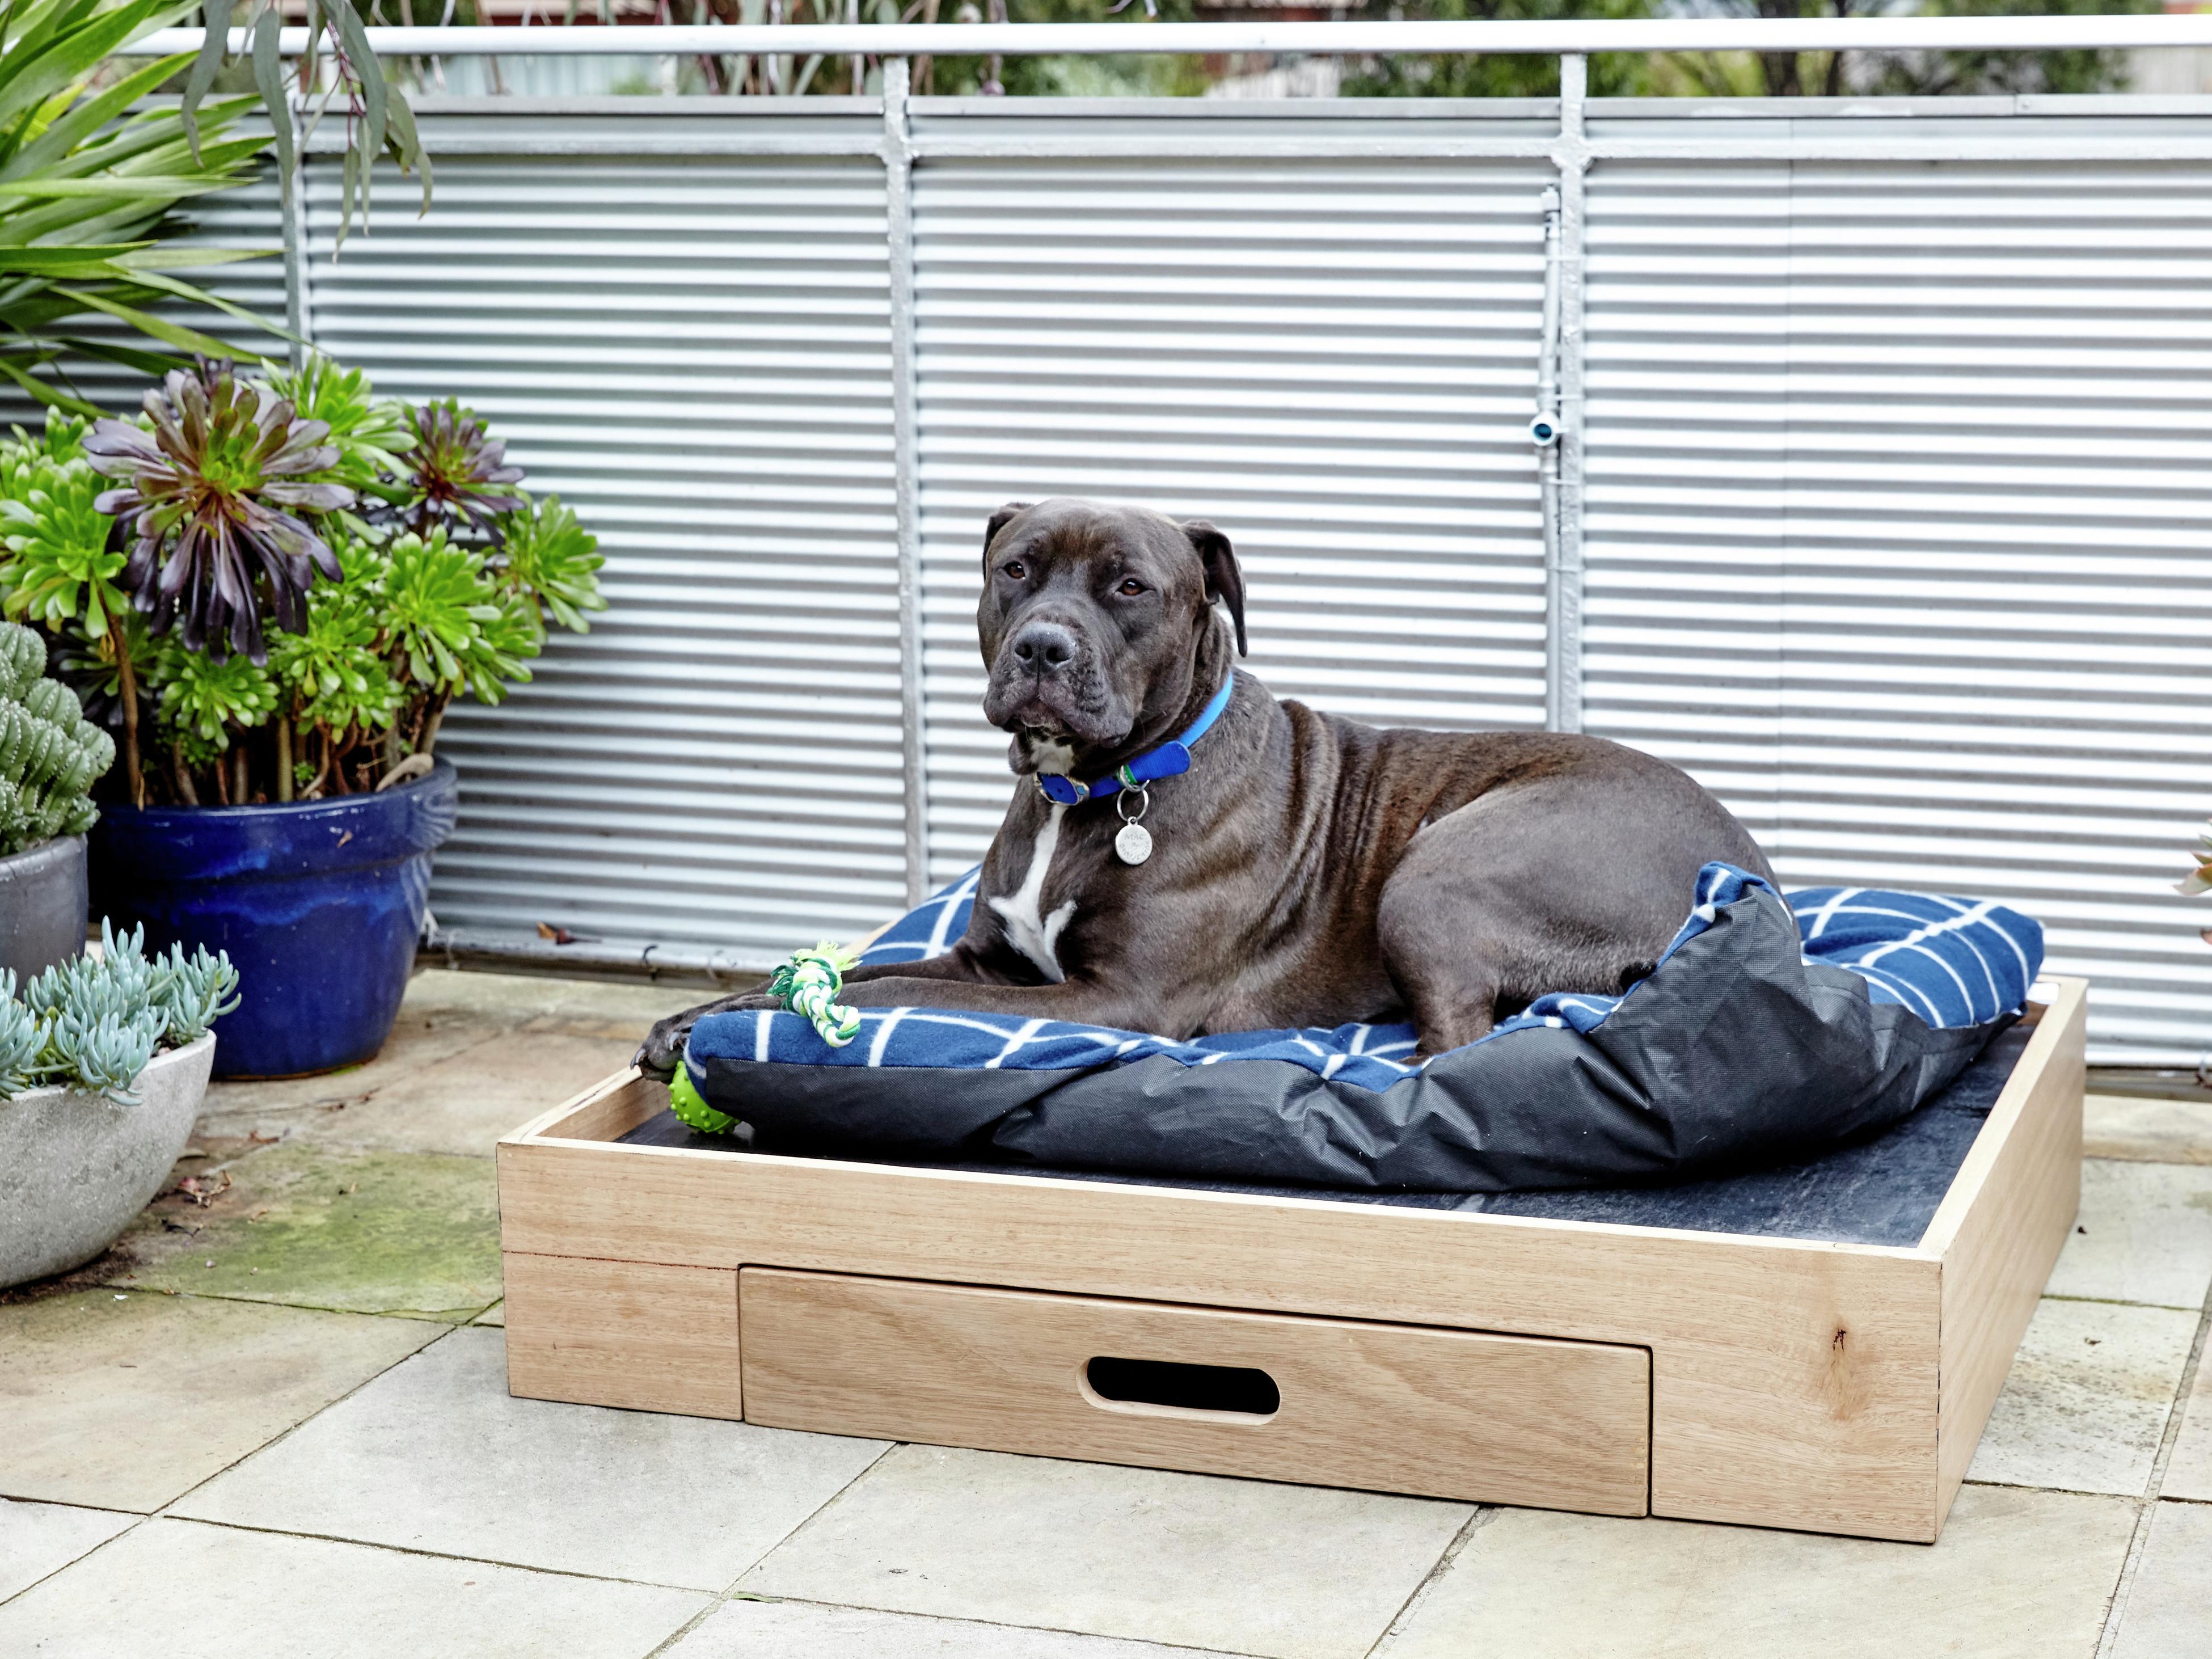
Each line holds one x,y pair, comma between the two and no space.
200,697
368,432
288,577
208,494
454,473
49,754
62,439
554,560
450,625
331,673
62,565
96,1020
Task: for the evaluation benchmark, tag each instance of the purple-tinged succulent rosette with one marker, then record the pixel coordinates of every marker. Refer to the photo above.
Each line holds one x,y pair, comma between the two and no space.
206,498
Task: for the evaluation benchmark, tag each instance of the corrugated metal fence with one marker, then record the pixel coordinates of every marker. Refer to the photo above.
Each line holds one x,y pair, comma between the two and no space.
1894,528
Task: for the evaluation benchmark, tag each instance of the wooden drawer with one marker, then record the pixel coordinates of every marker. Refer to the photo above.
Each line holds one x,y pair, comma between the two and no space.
1405,1408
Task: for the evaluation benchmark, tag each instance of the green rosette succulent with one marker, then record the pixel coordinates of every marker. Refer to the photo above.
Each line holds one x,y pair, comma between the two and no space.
367,432
552,559
452,627
331,673
201,698
61,565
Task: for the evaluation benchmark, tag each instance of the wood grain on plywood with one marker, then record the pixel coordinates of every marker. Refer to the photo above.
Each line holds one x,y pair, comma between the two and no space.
1439,1413
2000,1228
646,1337
605,1112
1760,1417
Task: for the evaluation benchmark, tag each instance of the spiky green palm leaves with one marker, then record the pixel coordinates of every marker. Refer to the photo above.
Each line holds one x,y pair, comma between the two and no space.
49,754
209,497
88,188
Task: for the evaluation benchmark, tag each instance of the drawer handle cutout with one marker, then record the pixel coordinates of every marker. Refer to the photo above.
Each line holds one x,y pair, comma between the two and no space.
1170,1388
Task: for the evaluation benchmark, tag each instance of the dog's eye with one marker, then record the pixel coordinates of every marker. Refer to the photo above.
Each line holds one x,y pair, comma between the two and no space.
1132,587
1015,568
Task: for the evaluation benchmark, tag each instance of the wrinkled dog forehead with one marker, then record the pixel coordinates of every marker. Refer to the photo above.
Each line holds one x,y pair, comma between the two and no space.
1088,530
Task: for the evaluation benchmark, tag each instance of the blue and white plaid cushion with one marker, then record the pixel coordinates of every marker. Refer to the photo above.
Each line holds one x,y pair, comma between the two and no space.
1953,962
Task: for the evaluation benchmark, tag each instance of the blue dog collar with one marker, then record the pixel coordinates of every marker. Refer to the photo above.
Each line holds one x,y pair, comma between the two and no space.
1171,759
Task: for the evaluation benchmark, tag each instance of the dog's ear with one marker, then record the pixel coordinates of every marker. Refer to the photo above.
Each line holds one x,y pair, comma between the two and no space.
1224,579
999,520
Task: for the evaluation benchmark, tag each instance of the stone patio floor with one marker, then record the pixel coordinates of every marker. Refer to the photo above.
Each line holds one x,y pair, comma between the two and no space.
274,1421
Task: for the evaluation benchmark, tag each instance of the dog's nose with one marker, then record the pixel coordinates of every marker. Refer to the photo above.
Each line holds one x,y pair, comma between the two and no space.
1044,647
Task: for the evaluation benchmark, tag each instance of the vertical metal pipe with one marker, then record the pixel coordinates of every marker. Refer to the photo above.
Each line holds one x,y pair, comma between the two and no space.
299,309
1563,550
1547,452
898,174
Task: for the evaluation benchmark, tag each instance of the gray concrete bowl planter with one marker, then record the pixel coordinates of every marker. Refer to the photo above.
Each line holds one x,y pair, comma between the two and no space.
42,905
76,1167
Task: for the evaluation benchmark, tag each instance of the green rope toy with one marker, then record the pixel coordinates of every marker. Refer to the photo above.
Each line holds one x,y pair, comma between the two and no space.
806,984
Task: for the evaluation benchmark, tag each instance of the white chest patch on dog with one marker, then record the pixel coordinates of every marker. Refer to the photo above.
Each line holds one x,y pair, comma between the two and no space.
1048,755
1035,935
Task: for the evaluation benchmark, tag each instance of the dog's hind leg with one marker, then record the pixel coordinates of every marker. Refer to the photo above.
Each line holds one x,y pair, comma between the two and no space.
1514,894
1446,969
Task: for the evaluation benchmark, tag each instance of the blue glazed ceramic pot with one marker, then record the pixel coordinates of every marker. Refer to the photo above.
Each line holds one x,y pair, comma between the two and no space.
318,903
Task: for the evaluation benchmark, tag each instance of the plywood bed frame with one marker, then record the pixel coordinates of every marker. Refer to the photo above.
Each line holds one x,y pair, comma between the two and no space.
1618,1369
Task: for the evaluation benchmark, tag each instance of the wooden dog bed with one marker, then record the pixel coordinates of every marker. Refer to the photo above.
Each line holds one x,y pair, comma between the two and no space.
1524,1358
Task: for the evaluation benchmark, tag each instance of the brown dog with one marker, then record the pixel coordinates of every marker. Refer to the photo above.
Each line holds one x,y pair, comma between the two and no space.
1304,870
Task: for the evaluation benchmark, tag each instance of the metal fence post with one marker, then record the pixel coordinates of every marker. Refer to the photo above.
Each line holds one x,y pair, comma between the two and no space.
299,310
1562,540
898,178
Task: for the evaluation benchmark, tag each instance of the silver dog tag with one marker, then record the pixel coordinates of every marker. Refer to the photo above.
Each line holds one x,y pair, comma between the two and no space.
1133,845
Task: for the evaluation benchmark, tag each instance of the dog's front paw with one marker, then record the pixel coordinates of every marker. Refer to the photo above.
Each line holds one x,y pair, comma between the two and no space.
662,1051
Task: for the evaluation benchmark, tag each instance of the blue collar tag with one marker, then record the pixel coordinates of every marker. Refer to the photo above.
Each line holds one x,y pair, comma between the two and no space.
1171,759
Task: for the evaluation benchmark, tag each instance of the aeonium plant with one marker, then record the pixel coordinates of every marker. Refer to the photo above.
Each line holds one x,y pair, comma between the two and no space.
285,582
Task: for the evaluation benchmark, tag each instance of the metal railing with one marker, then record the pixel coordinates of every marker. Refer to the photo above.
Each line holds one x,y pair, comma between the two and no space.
1657,35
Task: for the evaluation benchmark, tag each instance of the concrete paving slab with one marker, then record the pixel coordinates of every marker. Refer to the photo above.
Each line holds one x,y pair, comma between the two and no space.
618,1012
464,1104
2189,1471
2017,1575
435,1455
612,1008
2144,1234
187,1591
37,1539
317,1226
2169,1610
494,1314
124,1402
1301,1572
748,1629
2086,1405
419,1037
2147,1129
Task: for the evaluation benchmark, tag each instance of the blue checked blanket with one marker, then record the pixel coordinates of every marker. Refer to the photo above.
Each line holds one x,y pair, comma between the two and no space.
1954,961
1883,996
